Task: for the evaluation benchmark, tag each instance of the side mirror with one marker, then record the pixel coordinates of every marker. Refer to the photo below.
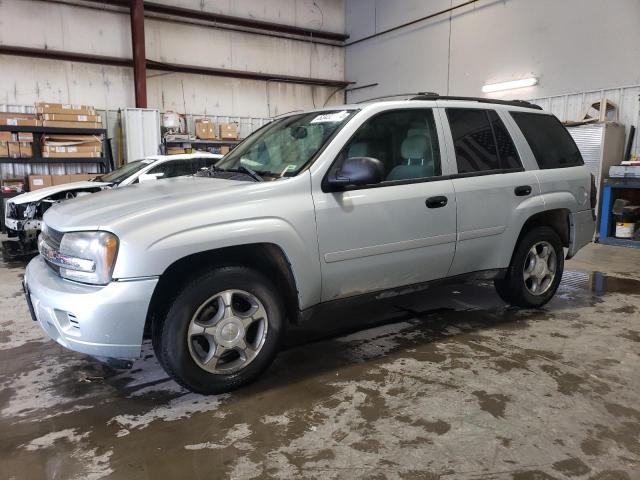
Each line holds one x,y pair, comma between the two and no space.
149,177
356,171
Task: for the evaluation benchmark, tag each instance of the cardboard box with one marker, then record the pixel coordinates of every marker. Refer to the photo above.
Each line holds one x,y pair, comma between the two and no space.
87,148
205,129
65,108
58,124
71,139
26,149
60,179
4,148
14,149
37,182
24,137
79,177
5,137
27,116
176,151
13,185
71,154
20,122
65,117
229,131
224,149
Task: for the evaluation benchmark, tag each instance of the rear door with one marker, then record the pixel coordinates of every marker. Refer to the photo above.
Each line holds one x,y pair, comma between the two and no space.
494,192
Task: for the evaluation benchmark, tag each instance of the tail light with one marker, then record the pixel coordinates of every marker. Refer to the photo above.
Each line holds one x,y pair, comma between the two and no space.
594,192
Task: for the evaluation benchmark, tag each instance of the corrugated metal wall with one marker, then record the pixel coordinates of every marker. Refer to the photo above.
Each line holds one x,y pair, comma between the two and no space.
573,106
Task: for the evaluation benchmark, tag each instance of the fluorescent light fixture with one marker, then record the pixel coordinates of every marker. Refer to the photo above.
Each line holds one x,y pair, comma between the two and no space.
497,87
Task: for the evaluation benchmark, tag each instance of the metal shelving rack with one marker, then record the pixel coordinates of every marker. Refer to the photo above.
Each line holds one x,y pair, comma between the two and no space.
105,162
188,143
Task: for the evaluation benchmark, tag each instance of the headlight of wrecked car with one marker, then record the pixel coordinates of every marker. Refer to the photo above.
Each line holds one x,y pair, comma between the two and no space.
30,211
86,257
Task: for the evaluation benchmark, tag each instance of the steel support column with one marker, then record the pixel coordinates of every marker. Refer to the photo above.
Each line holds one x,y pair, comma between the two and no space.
137,47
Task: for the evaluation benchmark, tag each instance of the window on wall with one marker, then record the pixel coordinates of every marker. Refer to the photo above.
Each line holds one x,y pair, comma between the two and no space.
405,141
550,142
481,141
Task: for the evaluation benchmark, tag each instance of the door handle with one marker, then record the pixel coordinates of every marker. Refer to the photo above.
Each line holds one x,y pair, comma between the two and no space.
522,190
436,202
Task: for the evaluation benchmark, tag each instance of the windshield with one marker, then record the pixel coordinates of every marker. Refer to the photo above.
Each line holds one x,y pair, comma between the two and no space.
285,146
124,172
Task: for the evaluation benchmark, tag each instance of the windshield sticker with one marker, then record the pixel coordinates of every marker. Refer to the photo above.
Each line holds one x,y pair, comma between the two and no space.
331,117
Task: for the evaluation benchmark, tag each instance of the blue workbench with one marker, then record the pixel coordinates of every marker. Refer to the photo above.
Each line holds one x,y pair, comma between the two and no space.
607,226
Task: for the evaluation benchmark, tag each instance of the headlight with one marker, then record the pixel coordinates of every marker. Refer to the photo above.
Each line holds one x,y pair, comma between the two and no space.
86,257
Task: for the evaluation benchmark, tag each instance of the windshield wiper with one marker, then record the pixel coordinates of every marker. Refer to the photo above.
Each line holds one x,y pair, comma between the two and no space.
246,170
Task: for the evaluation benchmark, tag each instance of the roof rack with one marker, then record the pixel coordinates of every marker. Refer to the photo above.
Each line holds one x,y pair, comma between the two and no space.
514,103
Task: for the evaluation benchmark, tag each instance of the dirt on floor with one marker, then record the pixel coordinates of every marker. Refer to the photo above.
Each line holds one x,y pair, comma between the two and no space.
447,383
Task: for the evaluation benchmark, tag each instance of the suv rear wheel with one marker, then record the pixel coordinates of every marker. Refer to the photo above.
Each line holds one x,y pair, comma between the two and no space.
222,330
535,270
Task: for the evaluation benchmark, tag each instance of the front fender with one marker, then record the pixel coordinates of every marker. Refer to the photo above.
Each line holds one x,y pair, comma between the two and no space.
156,257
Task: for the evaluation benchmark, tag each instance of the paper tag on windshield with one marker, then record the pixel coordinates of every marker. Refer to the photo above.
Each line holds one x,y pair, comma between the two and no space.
331,117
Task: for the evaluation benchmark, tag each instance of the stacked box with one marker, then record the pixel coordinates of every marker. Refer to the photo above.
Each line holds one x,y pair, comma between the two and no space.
19,119
229,131
5,138
205,129
62,115
70,146
41,181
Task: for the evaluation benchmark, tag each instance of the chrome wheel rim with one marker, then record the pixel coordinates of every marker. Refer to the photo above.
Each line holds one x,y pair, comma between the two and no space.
227,332
540,267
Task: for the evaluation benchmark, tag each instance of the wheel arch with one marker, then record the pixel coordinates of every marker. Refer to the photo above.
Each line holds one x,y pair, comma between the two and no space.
558,219
267,258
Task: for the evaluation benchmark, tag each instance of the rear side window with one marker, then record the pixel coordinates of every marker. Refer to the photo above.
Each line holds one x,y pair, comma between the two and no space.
481,141
550,142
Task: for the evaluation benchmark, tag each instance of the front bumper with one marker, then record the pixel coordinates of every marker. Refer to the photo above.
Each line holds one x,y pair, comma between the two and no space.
102,321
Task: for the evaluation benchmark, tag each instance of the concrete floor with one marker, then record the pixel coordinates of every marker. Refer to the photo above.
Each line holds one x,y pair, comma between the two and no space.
446,384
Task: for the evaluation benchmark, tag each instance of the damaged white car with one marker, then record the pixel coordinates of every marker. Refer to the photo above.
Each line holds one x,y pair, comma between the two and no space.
23,214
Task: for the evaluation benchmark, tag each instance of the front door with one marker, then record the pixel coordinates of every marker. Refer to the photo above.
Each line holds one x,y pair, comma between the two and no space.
399,232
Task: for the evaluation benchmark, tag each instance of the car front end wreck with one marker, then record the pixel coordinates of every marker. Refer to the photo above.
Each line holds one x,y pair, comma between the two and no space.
72,296
23,214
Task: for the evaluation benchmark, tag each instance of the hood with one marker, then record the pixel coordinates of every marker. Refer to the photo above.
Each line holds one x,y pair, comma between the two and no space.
113,207
43,193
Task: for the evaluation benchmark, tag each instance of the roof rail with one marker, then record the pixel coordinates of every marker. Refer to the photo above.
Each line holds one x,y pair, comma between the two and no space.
514,103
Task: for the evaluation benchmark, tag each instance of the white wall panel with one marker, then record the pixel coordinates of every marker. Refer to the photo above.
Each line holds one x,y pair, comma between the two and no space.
207,95
316,14
571,45
24,81
35,24
38,24
202,46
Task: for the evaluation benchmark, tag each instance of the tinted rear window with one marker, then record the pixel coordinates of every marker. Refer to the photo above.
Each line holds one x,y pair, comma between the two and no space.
550,142
481,141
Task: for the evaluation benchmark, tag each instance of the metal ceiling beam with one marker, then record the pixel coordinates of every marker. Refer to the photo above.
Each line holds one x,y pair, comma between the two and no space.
181,12
166,67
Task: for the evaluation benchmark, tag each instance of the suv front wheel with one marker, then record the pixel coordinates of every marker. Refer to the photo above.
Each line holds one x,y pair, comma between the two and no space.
535,270
221,331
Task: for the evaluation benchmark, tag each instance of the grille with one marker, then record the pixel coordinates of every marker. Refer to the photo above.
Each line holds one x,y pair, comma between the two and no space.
51,236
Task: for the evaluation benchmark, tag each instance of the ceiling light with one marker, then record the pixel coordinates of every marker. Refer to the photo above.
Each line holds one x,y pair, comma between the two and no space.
497,87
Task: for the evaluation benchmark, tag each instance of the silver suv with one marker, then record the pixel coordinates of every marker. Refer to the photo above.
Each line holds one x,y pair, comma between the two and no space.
315,208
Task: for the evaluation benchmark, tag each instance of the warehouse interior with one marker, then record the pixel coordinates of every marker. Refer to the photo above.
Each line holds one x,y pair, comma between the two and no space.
108,109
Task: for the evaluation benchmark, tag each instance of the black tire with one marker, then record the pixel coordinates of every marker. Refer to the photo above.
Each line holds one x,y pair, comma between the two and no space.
512,288
170,336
